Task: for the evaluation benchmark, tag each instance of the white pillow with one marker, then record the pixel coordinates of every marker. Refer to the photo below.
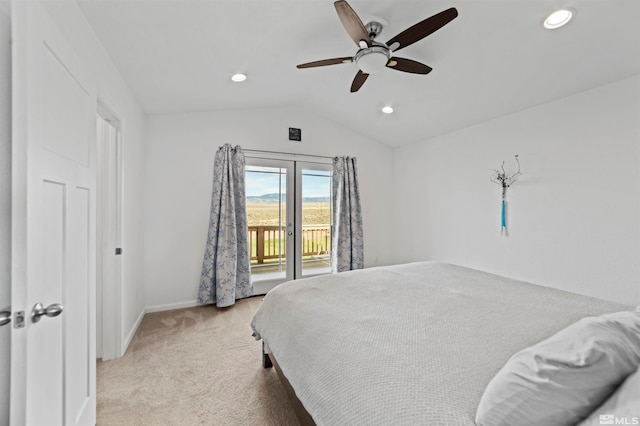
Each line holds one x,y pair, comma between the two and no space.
562,379
623,404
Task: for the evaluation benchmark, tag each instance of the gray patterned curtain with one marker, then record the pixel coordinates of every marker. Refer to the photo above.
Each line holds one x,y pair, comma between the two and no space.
347,250
226,270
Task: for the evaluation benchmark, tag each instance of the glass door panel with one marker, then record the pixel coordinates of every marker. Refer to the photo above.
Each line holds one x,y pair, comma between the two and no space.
314,212
270,219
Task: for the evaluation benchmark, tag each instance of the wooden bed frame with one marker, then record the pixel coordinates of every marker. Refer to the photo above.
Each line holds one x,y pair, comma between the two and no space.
304,418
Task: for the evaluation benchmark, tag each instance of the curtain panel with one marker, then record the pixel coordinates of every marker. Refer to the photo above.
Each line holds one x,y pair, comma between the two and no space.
347,252
226,268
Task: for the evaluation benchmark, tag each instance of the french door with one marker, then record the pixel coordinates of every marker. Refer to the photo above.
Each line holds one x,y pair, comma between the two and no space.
289,218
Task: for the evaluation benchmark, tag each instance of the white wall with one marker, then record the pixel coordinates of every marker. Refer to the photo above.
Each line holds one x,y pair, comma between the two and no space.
115,95
574,217
180,151
5,208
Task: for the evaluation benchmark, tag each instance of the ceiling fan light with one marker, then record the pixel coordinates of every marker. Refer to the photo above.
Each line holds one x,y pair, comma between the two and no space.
238,77
372,62
558,19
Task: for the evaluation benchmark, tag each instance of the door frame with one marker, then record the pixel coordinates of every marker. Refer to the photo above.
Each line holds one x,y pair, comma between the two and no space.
109,237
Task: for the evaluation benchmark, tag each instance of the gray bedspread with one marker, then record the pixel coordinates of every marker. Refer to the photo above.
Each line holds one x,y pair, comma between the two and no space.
412,344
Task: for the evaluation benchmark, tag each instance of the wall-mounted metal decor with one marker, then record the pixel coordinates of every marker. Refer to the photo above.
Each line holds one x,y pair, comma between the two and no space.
502,178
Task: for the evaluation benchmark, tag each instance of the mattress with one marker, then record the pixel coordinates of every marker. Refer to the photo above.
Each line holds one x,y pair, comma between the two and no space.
406,344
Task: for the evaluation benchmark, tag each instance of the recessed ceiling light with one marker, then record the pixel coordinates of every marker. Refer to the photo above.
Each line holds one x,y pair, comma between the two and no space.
239,77
387,109
558,19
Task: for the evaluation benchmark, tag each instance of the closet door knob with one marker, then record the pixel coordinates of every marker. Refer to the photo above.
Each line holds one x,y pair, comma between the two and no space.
5,318
51,311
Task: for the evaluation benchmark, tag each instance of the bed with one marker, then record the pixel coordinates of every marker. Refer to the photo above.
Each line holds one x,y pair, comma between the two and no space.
413,344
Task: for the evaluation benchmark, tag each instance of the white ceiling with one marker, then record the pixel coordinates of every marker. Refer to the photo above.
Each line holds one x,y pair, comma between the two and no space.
495,58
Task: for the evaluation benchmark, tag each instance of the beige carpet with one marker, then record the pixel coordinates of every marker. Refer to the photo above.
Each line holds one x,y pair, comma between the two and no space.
194,366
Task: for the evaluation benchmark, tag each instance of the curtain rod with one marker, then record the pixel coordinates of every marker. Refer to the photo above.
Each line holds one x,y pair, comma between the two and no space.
286,153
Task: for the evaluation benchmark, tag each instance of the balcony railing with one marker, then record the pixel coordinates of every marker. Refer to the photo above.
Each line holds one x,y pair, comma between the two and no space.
269,242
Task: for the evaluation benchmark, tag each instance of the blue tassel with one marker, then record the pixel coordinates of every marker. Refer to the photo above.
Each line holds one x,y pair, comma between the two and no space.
503,222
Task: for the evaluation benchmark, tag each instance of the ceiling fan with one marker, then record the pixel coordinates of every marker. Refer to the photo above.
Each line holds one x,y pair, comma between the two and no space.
372,55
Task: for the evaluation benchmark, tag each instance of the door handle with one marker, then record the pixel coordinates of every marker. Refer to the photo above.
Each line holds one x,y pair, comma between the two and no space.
5,318
39,310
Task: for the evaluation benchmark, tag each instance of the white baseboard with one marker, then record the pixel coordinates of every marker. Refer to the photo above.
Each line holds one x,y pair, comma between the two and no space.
171,306
132,332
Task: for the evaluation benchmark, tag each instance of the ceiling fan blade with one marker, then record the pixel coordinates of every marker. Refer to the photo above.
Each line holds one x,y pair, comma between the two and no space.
407,65
324,62
352,23
422,29
358,81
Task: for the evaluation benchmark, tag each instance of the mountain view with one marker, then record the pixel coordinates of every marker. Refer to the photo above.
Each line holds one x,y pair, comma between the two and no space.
275,197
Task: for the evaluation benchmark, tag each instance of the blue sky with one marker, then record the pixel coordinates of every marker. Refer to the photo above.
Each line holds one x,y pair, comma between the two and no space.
260,183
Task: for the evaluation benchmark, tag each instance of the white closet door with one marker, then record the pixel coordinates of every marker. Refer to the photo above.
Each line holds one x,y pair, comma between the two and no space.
53,225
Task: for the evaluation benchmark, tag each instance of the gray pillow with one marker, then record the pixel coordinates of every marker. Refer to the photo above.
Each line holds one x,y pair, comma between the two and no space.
562,379
624,404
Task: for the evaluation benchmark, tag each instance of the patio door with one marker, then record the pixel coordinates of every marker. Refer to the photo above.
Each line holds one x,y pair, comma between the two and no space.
289,219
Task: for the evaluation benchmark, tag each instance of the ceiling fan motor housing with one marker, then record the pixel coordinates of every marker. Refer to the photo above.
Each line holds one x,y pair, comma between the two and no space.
372,59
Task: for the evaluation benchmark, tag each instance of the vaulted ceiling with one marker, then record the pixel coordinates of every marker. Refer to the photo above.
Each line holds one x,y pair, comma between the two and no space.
493,59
